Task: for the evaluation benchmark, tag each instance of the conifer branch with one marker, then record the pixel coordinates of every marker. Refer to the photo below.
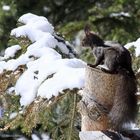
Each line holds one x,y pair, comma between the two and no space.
73,116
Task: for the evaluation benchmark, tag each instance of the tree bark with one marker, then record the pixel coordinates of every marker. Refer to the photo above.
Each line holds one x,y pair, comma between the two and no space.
97,99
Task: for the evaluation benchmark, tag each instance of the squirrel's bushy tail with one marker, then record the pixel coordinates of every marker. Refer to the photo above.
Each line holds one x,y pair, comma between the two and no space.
124,108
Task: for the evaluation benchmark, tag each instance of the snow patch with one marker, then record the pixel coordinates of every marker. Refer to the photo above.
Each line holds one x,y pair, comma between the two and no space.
11,51
135,44
120,14
13,115
37,22
6,8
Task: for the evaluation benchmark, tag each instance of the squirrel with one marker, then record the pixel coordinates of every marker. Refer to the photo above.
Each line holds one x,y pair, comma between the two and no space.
117,59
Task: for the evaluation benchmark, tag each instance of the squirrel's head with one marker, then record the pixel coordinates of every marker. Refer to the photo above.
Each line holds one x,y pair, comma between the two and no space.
91,39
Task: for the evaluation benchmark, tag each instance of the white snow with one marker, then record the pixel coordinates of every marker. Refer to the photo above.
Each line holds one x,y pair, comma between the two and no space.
120,14
2,66
68,74
11,51
21,138
136,44
45,136
93,135
47,74
6,7
10,90
69,77
37,22
27,17
35,137
28,31
13,115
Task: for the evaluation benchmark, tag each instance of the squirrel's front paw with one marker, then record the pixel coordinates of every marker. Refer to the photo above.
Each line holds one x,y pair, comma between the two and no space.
108,71
91,65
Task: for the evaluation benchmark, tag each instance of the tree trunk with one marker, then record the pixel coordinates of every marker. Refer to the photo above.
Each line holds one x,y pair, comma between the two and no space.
97,99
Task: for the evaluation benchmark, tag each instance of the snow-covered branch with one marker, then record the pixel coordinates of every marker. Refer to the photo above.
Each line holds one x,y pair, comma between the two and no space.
49,73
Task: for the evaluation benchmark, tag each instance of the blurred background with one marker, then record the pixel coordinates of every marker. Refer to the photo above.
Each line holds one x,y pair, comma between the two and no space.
113,20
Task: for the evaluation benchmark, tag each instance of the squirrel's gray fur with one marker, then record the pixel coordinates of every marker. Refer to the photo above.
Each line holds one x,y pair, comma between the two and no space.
118,60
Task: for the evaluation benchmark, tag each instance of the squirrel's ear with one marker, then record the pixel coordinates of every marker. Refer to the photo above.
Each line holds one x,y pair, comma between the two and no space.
87,29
